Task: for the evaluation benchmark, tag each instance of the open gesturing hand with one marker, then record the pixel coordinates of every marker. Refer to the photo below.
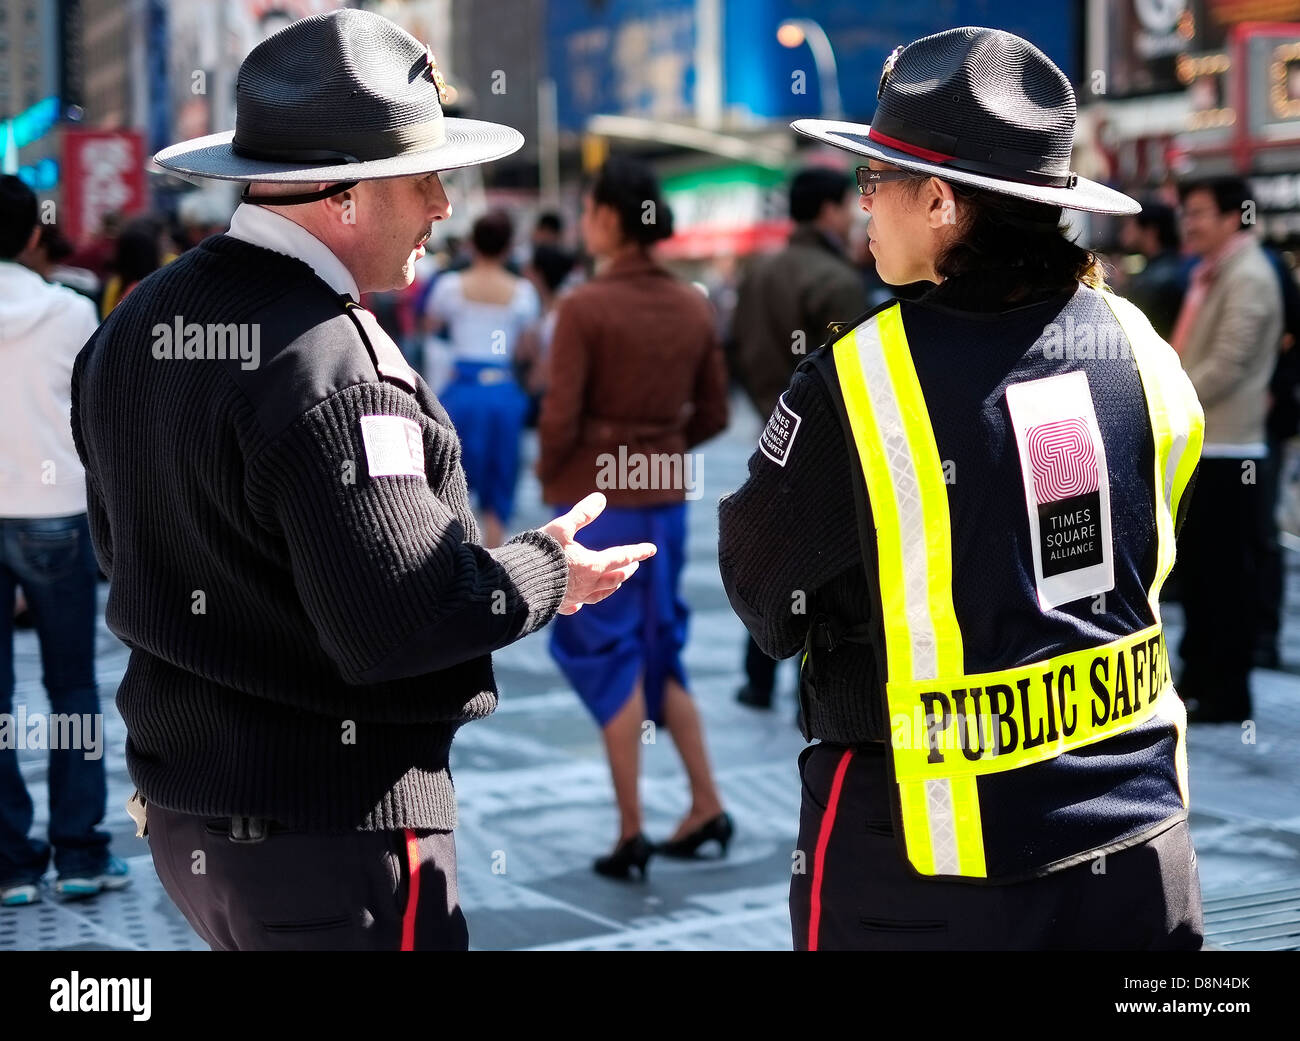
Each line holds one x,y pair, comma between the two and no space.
593,574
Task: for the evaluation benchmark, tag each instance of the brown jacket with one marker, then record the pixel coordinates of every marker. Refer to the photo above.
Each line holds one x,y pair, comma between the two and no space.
636,380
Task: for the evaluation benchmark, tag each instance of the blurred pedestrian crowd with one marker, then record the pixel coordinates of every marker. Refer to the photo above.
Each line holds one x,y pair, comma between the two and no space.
572,327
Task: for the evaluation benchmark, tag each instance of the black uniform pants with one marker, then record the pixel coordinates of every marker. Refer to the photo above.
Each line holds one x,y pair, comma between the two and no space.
1219,568
856,893
760,670
303,890
1271,566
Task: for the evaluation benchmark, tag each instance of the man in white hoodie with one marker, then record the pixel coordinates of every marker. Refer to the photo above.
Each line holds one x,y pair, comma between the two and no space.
45,548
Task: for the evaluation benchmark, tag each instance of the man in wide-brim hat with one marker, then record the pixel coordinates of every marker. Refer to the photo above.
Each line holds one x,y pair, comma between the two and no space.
279,503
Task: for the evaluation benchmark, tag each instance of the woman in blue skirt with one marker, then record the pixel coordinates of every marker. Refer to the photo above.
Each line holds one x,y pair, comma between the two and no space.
486,308
636,380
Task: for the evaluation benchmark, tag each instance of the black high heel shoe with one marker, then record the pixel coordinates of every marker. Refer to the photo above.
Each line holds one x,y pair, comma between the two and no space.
719,829
630,853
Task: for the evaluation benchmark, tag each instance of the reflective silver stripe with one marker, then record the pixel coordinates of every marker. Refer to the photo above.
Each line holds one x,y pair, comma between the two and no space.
911,527
907,498
1176,449
943,826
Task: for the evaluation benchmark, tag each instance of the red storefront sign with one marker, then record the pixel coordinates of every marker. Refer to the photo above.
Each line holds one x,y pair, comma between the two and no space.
103,172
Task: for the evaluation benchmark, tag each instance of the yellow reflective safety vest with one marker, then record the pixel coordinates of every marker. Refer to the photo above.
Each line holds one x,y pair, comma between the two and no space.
1021,476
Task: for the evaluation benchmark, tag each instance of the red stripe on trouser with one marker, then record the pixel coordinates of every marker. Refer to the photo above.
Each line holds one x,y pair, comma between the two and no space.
413,894
823,840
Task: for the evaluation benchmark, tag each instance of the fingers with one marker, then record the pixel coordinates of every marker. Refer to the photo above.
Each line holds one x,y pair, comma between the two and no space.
610,582
565,527
585,512
620,556
600,592
620,574
607,585
602,573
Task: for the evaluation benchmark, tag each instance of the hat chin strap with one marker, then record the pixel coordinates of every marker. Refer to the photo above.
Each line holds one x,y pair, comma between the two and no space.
295,200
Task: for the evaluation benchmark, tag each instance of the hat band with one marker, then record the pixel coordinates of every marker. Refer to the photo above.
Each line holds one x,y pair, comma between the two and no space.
350,148
1005,173
903,146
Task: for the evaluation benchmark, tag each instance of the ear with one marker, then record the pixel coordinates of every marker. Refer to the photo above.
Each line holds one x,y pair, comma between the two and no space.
341,208
941,204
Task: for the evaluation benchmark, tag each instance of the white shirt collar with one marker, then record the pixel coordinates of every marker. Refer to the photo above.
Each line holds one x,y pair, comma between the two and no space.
262,226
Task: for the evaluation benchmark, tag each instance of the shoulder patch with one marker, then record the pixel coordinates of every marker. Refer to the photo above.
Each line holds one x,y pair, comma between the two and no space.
778,436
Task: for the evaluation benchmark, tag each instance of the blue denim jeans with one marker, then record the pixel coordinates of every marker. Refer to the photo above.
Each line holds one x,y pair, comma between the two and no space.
52,559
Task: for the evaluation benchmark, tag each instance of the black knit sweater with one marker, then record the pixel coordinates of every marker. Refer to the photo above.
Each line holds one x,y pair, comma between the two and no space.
305,638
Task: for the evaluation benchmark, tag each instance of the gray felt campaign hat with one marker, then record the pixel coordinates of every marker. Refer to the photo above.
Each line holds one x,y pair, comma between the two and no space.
979,107
344,96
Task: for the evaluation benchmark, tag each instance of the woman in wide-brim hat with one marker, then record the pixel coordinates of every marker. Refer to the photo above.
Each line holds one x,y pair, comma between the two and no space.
905,522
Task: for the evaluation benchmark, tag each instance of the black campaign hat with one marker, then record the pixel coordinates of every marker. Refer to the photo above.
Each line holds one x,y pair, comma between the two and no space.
979,107
344,96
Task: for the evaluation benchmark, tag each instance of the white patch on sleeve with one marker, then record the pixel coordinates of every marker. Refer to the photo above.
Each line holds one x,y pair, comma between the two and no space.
394,446
778,436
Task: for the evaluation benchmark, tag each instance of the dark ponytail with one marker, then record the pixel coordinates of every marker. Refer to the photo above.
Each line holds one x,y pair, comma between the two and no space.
631,189
1002,233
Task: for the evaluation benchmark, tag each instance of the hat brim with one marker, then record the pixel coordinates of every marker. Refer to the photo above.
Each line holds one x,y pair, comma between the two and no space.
468,142
1091,196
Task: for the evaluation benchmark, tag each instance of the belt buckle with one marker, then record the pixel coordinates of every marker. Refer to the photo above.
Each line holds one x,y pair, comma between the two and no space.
247,829
489,376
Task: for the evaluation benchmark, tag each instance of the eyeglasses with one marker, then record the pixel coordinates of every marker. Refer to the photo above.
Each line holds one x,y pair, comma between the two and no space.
869,178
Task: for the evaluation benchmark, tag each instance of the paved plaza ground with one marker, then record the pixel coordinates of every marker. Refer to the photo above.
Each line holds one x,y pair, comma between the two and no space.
533,785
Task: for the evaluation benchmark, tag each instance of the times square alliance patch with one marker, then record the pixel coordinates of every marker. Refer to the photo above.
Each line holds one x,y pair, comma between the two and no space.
778,436
1067,487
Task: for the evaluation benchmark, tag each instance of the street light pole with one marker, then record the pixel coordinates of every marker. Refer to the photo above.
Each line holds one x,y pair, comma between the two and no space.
795,31
708,63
